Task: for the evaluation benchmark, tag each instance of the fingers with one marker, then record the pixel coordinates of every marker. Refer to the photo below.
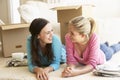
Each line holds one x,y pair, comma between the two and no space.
64,74
37,76
42,76
67,72
45,76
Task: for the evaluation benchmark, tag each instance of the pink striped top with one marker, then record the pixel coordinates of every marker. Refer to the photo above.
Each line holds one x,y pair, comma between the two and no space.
92,54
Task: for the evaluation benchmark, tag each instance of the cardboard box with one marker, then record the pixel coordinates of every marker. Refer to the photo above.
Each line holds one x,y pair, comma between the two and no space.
65,13
13,38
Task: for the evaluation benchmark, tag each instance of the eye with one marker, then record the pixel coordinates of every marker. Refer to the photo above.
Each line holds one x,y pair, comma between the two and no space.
49,32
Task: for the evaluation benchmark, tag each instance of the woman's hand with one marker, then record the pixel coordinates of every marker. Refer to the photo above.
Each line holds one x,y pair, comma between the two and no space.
41,74
74,71
68,71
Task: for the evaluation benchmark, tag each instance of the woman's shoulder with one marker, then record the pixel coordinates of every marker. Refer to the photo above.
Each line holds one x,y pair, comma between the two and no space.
55,36
56,40
94,37
29,37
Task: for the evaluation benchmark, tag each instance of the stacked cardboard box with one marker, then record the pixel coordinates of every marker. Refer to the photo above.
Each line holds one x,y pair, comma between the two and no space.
13,38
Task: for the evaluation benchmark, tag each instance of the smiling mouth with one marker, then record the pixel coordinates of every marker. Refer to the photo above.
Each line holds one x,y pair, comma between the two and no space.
50,39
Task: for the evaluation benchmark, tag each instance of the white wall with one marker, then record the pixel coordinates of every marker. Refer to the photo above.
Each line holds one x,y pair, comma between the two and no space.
107,14
103,9
107,8
13,14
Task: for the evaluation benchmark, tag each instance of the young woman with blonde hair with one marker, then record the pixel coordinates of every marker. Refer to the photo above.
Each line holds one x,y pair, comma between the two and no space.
83,48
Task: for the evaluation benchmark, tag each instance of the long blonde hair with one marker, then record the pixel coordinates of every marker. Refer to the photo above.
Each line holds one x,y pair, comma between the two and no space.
83,25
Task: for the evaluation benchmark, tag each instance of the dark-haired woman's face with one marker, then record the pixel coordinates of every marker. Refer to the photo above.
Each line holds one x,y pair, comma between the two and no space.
46,34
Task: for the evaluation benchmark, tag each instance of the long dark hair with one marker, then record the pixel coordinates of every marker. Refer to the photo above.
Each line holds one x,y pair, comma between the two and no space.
35,28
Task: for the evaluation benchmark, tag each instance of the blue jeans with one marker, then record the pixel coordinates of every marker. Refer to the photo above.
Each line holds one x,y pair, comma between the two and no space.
110,50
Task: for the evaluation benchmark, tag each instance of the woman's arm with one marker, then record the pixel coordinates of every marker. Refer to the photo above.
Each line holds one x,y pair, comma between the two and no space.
57,48
48,69
74,71
82,70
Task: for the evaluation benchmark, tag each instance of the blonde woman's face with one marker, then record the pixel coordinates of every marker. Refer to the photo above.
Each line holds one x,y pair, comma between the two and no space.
75,36
46,34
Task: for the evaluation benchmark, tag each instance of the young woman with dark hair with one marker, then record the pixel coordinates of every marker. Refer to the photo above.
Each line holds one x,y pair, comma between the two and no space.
44,49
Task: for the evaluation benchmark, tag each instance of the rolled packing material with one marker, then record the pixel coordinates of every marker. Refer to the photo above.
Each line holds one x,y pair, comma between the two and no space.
18,56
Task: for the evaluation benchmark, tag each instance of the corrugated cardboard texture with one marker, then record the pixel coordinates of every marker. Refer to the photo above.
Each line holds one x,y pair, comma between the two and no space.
13,38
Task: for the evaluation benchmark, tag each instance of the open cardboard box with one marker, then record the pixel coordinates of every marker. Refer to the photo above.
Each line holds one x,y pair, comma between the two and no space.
13,38
65,13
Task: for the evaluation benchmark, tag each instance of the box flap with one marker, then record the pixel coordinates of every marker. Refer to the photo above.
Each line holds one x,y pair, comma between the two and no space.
14,26
66,7
70,7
